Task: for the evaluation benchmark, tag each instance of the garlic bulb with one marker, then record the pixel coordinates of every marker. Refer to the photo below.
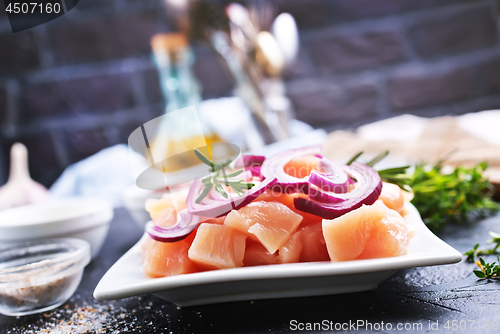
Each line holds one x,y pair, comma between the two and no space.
20,189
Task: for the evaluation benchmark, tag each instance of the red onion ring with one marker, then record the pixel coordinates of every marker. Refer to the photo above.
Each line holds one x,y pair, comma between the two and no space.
210,207
250,163
330,178
255,171
186,223
253,160
273,167
367,190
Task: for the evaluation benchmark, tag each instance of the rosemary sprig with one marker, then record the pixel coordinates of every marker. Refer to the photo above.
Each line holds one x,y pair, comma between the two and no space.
397,175
219,178
379,157
354,158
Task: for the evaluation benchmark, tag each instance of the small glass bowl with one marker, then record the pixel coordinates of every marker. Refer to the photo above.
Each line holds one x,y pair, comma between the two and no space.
38,276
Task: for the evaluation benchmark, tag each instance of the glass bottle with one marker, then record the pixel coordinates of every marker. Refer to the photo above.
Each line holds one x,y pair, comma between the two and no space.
174,61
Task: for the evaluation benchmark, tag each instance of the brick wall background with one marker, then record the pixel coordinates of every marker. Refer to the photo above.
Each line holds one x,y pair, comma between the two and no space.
85,80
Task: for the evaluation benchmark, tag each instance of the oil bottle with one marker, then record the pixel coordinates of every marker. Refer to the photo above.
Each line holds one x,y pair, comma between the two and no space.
174,60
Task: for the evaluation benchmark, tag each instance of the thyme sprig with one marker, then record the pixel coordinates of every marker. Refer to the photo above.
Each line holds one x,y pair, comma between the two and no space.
443,197
454,197
486,270
219,178
478,252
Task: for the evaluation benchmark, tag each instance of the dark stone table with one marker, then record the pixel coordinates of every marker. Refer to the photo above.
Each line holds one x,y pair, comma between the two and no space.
447,298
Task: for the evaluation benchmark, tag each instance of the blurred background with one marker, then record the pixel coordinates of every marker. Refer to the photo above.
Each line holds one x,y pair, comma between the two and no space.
85,81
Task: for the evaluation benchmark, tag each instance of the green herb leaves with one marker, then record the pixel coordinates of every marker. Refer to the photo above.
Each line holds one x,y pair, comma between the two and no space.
487,270
453,197
219,179
477,252
397,175
443,197
354,158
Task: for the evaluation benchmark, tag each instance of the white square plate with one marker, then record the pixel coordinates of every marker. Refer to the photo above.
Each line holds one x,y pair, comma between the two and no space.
126,278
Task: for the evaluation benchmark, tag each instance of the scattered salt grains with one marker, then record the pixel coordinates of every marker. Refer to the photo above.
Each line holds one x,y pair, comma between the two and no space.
98,317
83,320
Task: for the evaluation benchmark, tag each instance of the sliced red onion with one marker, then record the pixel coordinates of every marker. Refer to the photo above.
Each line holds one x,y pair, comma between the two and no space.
273,167
251,163
366,191
251,172
186,223
255,171
331,177
213,206
318,195
247,175
253,160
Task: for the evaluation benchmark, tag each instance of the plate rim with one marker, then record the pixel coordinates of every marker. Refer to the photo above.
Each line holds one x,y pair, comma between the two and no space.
279,271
